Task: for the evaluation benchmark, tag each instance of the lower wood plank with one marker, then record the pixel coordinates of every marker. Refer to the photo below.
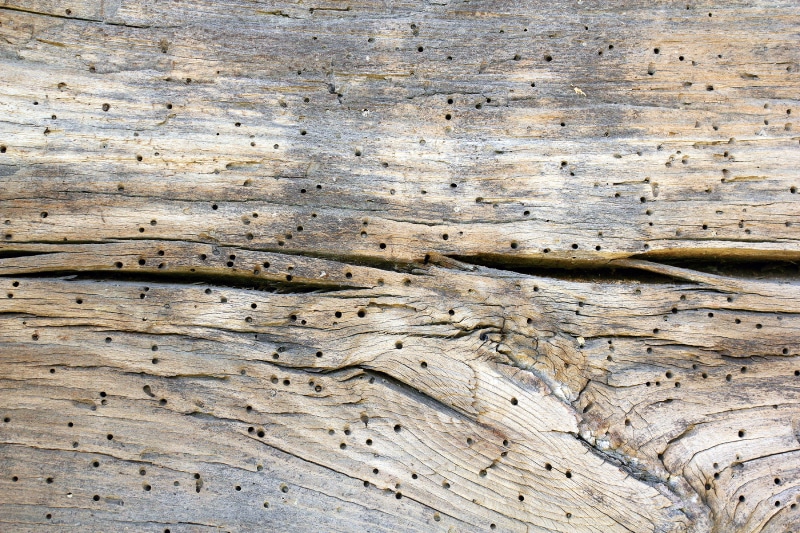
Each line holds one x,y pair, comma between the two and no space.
446,397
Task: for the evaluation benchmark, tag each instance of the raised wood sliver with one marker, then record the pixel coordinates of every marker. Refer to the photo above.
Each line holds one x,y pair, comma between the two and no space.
360,267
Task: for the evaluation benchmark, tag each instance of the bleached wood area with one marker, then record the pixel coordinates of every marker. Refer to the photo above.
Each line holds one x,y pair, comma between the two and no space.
385,266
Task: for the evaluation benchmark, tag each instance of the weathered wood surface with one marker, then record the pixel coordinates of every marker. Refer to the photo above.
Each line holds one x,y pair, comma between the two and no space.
211,96
234,296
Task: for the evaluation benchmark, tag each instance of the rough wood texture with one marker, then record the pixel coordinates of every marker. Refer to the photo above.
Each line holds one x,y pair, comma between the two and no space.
274,266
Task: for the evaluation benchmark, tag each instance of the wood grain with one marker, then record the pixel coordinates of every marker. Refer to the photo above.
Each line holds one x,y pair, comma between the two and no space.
358,266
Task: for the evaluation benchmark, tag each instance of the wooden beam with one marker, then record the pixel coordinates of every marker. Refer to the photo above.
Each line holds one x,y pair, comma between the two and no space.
352,266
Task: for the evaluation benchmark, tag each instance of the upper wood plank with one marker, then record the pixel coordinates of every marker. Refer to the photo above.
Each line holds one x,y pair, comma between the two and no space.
529,131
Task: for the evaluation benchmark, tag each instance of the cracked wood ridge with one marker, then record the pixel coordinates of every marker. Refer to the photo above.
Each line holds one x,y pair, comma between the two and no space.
362,266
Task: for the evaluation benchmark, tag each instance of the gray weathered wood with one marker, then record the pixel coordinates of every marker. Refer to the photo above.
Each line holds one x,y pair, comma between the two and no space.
246,266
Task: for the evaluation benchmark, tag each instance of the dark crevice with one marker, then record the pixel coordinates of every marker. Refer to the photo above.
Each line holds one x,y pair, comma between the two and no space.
620,461
183,278
349,259
692,512
168,377
53,15
10,254
740,268
617,270
641,268
583,272
71,17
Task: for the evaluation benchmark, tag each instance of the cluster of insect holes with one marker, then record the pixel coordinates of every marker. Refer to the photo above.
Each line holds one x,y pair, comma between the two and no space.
146,486
741,433
704,375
